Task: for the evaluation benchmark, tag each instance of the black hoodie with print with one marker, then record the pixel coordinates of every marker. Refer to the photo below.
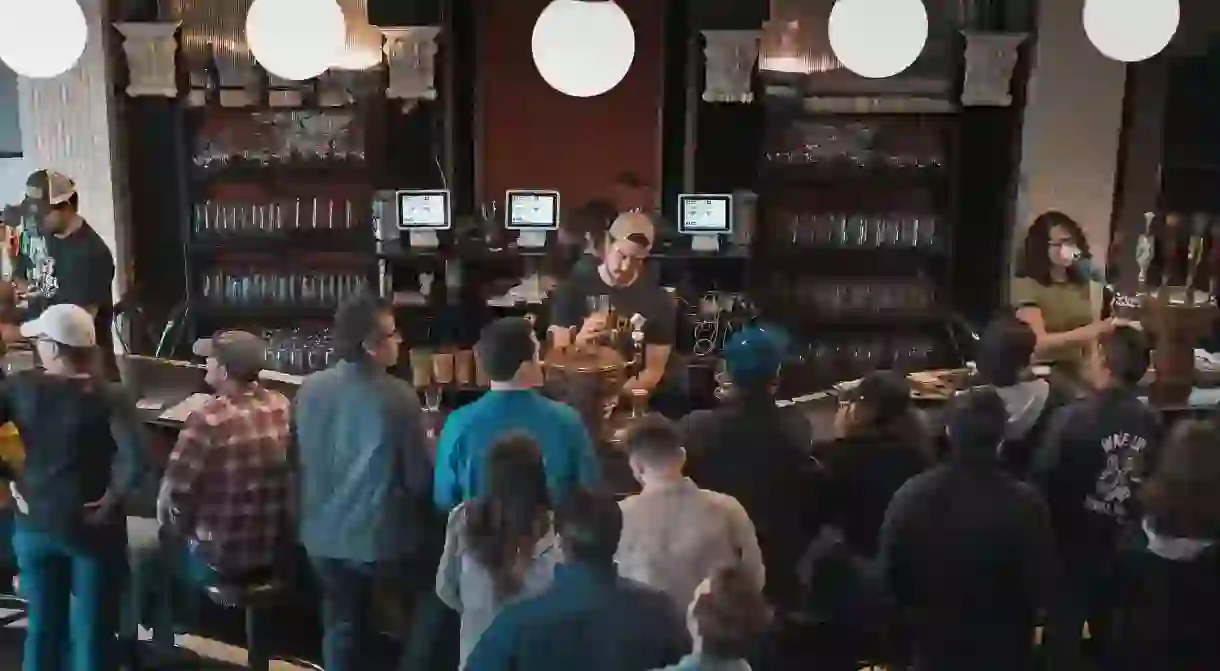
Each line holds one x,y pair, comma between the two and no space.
1097,452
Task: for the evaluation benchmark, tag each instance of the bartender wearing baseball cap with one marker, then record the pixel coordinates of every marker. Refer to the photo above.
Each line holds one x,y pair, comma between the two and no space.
629,291
72,265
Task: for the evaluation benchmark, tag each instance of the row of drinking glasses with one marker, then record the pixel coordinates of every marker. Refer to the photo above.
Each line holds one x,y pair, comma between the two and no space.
299,352
846,297
858,229
218,219
284,138
856,145
303,289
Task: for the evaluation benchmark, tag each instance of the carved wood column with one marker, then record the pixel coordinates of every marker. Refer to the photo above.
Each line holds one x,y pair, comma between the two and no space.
730,56
990,61
150,49
411,54
69,123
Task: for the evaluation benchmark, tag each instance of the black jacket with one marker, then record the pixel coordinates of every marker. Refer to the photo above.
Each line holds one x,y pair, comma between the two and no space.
968,556
758,454
860,476
1169,609
1097,452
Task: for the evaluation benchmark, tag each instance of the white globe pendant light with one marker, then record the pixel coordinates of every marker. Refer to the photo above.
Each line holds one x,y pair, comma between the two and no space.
1131,30
296,39
42,38
878,38
583,48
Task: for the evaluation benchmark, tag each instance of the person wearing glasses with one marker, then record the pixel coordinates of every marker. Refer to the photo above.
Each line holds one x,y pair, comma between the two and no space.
622,287
364,473
1051,293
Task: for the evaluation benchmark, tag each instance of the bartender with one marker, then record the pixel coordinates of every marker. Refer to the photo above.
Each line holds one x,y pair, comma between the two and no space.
67,262
1051,292
629,291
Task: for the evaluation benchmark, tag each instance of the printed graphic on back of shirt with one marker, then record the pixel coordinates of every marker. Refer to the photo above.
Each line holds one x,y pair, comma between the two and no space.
1120,476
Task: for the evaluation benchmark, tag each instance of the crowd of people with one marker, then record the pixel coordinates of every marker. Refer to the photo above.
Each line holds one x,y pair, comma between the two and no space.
1028,523
1038,525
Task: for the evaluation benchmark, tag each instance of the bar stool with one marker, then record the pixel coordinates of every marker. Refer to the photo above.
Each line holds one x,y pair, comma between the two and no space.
254,594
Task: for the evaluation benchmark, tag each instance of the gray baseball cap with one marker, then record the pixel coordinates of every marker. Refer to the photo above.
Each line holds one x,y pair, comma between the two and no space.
235,350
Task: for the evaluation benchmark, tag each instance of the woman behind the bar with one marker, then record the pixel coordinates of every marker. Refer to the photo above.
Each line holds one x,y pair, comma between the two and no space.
83,456
500,546
1052,295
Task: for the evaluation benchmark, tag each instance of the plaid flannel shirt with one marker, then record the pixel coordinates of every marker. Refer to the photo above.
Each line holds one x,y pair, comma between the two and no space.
228,482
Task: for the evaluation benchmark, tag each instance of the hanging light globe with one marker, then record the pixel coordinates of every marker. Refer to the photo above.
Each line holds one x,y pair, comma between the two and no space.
878,38
1130,31
296,39
41,39
583,48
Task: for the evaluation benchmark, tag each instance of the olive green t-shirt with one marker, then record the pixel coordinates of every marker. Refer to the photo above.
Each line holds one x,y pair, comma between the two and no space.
1065,306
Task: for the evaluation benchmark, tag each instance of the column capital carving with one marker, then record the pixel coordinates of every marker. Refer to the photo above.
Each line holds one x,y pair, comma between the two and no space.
730,56
150,49
991,58
411,54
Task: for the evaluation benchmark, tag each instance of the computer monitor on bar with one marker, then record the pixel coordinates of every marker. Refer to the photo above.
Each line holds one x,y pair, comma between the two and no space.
705,217
532,213
423,212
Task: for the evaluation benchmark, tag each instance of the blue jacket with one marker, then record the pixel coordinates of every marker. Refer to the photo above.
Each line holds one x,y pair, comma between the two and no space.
469,433
589,619
363,465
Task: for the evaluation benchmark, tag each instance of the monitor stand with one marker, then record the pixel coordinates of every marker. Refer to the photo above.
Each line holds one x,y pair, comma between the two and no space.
705,243
531,239
424,239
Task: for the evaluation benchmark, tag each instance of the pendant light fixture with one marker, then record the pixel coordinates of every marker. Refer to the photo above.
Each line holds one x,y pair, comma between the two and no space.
296,39
878,38
1131,30
583,48
42,38
362,49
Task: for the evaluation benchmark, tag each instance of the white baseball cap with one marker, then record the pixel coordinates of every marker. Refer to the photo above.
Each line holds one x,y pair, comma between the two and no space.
65,324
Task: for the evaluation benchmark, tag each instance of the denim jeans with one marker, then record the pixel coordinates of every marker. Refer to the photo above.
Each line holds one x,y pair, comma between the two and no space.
347,611
168,578
73,587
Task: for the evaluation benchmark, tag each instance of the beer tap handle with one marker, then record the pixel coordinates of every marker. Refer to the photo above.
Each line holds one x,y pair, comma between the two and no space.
1214,264
1198,234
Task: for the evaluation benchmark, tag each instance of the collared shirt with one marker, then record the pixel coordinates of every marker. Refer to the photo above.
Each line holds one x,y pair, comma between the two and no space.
228,481
676,535
363,464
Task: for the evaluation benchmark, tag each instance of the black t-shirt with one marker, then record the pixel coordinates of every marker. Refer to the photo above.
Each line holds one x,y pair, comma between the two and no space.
78,270
644,297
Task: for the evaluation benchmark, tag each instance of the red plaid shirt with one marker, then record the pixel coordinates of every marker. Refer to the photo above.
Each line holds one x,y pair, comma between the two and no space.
228,481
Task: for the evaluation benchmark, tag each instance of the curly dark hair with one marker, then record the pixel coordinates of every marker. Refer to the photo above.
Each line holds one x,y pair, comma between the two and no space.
504,523
732,615
1035,262
1183,497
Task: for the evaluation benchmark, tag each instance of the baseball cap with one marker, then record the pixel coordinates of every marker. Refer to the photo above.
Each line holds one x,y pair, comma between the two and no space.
50,187
235,350
633,223
755,353
65,324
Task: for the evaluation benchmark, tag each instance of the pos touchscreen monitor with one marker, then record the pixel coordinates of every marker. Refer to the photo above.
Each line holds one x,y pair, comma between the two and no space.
424,210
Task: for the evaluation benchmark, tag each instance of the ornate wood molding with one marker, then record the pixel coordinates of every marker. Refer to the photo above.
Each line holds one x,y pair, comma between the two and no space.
150,49
411,54
990,61
730,56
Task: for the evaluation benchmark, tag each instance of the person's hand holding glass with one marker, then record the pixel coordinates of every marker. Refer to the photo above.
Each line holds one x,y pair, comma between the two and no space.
598,321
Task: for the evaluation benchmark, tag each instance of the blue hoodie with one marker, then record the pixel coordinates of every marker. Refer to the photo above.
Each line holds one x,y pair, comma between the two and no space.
567,452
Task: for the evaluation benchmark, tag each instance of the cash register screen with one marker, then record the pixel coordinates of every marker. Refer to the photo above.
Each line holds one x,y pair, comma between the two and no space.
705,214
423,210
532,210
